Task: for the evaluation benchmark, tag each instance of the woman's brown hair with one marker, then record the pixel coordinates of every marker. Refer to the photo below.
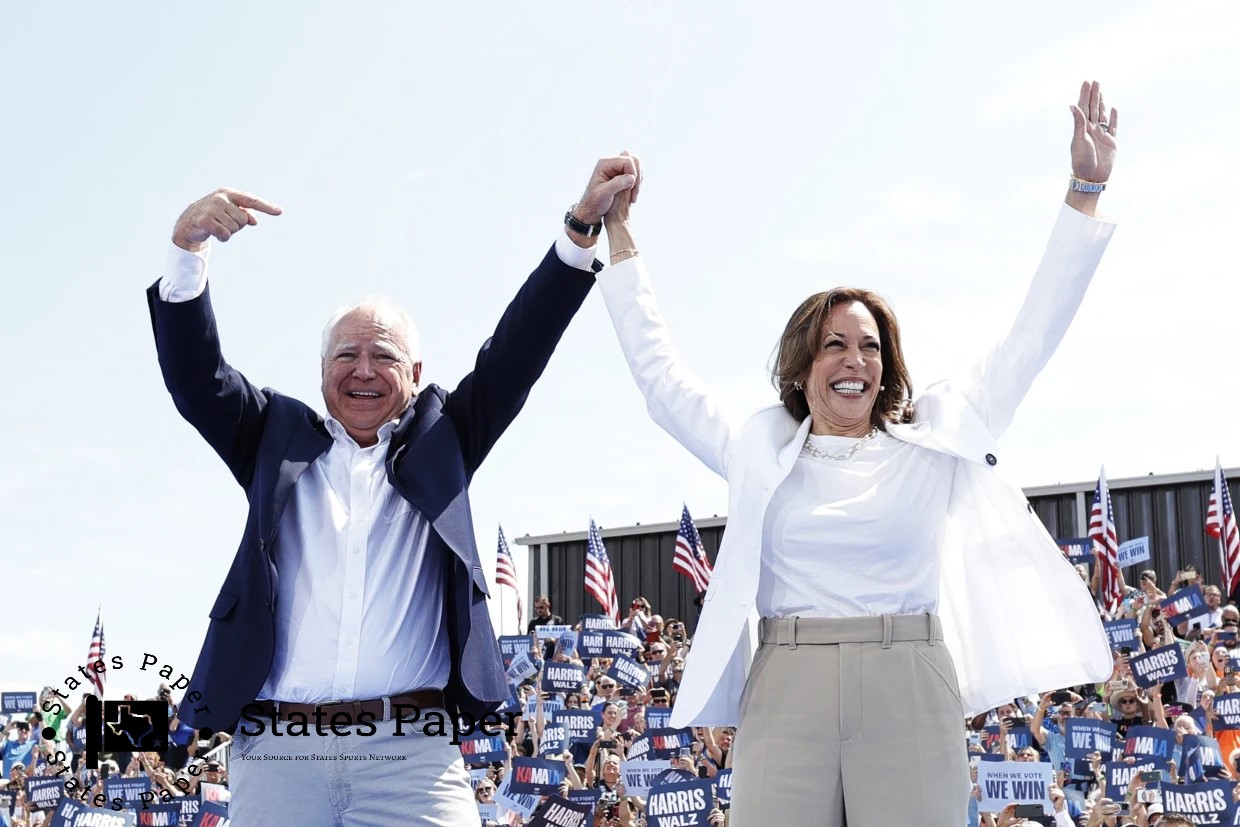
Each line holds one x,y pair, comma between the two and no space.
802,339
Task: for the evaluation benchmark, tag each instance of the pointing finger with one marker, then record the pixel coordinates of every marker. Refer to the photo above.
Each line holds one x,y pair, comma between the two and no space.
245,199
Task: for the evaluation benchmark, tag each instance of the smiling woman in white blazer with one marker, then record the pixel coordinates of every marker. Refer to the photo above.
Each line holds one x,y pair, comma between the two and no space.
863,528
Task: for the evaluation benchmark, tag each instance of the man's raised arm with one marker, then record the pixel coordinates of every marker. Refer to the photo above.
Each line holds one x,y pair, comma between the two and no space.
212,396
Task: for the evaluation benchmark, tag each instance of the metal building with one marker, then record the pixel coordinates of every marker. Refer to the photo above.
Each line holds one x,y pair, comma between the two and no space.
1170,509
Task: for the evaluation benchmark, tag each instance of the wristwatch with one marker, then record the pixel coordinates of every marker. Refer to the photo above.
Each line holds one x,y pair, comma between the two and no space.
1081,185
578,226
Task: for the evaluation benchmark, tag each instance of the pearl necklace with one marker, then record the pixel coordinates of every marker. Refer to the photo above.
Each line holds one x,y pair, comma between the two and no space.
821,454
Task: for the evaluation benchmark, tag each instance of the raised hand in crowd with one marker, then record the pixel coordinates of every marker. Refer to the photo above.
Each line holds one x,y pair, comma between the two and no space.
220,215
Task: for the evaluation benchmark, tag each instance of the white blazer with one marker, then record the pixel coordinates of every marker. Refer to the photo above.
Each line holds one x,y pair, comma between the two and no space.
995,553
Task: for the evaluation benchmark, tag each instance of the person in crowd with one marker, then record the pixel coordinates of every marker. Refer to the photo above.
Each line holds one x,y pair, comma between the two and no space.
812,552
542,615
19,751
385,602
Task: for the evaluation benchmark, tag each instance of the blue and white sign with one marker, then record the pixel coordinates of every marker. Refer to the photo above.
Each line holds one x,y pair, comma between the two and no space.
1077,549
1150,742
1227,708
562,812
1160,665
606,644
521,667
73,813
554,740
628,672
536,776
639,776
480,748
16,703
1185,604
517,802
1122,633
44,791
1134,551
675,805
510,645
723,788
212,814
159,815
563,677
658,717
579,723
596,623
1014,782
551,631
665,743
1119,774
129,790
1206,803
1085,735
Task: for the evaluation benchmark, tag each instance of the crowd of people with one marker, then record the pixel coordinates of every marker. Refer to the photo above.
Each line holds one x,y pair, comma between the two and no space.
52,744
1028,729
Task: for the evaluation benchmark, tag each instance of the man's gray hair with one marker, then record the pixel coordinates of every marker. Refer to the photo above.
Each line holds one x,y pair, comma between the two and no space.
406,330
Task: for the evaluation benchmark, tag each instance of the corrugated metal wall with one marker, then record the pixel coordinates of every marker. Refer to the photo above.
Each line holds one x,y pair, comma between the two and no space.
1171,514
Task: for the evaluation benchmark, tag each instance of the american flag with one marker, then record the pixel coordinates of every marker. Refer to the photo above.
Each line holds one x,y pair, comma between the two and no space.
599,581
506,572
1102,532
97,652
690,559
1221,525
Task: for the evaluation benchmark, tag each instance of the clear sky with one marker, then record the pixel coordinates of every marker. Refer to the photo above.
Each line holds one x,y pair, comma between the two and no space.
429,150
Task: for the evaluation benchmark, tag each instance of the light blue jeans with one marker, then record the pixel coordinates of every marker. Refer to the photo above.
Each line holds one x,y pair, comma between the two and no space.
350,780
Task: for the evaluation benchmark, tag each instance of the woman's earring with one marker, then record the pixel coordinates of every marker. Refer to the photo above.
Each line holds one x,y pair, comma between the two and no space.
797,385
882,387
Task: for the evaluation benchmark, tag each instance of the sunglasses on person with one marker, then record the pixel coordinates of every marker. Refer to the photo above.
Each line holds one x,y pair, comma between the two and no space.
606,685
1128,700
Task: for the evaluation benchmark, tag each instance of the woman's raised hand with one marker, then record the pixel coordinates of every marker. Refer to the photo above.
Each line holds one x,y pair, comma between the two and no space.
1093,135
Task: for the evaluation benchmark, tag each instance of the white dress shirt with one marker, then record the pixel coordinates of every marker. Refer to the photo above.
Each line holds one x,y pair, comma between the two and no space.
359,604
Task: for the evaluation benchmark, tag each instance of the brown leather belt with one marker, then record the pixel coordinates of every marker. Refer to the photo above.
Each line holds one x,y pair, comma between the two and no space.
422,699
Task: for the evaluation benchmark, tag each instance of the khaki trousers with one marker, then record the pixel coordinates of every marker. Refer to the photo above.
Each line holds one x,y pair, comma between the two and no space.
851,721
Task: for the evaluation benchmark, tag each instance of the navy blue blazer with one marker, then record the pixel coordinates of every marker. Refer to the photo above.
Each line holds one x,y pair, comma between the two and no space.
267,440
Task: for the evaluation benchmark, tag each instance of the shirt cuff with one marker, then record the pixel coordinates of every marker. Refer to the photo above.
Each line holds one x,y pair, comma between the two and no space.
185,274
580,257
1062,819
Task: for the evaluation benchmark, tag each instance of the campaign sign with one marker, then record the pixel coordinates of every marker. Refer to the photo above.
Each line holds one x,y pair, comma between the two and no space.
606,644
72,813
214,792
509,645
563,677
1222,638
513,704
596,623
523,804
1200,759
639,750
488,812
159,815
658,717
536,776
44,791
550,707
590,797
638,776
480,748
562,812
554,740
190,805
723,788
628,672
1161,665
1018,738
566,643
1085,736
1205,803
1150,742
1077,549
1135,551
6,803
1227,708
1119,774
551,631
128,790
579,723
211,814
521,667
665,743
12,703
1185,605
1122,633
675,805
1014,782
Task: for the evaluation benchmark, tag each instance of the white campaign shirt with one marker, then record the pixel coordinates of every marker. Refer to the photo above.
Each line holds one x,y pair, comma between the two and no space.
359,605
856,537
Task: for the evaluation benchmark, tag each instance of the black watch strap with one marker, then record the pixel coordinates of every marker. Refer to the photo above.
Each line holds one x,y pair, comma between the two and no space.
578,226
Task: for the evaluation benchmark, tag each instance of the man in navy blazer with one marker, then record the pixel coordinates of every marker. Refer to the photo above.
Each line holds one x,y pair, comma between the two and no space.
356,597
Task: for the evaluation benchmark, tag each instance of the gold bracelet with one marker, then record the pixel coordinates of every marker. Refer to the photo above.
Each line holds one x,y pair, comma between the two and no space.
622,252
